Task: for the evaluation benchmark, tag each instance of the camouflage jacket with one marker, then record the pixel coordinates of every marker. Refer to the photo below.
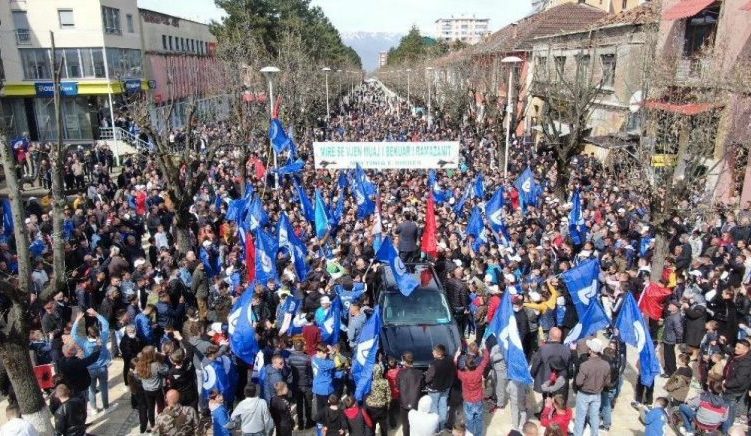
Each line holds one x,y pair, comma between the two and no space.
177,421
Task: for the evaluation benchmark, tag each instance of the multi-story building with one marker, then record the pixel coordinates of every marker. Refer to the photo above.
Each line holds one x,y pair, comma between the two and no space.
98,48
179,58
469,30
383,58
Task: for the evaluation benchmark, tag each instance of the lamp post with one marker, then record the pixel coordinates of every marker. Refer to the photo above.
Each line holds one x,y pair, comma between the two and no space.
430,81
326,71
269,72
511,61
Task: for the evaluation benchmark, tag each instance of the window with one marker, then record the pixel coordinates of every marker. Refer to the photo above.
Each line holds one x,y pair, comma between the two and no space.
76,63
608,69
700,31
164,42
584,62
124,62
193,45
21,24
36,63
72,63
560,65
129,23
66,18
624,4
111,20
170,43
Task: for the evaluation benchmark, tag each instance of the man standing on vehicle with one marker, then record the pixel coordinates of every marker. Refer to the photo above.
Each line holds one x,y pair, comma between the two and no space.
438,379
457,293
409,381
408,236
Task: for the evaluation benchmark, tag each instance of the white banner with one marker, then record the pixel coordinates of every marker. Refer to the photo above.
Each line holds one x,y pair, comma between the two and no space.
386,155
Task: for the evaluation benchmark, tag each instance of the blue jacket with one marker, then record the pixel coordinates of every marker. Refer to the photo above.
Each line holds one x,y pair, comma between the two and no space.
220,418
323,376
143,328
89,347
655,421
273,376
167,315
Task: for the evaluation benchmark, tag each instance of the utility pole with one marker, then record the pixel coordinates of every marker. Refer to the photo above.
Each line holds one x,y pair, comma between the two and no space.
58,194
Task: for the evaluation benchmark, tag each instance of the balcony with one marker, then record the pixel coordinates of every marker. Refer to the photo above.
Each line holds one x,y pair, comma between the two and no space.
23,36
693,70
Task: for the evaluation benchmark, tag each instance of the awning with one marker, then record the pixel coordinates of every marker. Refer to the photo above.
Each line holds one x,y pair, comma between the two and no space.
686,8
563,129
747,7
688,109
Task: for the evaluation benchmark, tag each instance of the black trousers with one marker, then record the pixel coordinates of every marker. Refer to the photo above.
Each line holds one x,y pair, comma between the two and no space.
154,399
643,393
322,402
668,352
380,416
394,408
404,418
304,402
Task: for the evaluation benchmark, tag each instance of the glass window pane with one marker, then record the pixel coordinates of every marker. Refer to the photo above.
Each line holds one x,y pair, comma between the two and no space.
73,63
66,17
87,62
98,62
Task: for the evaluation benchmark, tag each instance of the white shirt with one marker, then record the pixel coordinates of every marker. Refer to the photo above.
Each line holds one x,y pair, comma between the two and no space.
18,427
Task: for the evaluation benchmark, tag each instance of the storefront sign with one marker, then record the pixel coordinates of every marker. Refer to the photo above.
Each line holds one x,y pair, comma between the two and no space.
47,89
132,86
385,155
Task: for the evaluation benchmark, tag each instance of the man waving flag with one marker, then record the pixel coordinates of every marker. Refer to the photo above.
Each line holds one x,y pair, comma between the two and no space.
364,357
634,331
503,327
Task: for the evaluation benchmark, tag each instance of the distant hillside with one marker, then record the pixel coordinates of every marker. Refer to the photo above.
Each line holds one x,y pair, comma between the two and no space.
369,44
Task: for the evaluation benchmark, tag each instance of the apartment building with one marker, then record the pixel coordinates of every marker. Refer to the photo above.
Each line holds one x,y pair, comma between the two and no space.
469,30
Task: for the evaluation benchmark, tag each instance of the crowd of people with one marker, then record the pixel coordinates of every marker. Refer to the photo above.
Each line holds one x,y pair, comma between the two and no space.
167,311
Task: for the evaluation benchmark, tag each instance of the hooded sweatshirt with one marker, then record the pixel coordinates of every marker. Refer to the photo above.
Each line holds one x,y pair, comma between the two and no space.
421,421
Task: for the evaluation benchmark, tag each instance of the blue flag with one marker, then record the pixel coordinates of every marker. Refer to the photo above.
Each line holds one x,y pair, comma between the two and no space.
577,228
459,207
644,244
348,297
236,209
290,309
297,250
7,218
321,216
37,247
364,181
365,353
476,229
242,334
331,324
439,195
305,204
365,205
479,191
634,331
291,168
581,283
594,320
338,213
494,210
221,375
279,139
343,181
528,188
266,249
503,327
256,217
405,281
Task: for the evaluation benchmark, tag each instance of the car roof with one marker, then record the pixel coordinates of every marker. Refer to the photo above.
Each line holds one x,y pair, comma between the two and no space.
423,272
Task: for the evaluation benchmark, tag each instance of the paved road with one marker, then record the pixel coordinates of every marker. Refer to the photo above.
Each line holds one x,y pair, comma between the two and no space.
124,421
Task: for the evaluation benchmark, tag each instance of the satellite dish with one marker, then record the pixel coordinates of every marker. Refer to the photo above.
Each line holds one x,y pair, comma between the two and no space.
635,102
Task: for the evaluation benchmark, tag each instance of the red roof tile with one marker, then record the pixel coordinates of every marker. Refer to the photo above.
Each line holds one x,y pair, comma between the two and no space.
686,8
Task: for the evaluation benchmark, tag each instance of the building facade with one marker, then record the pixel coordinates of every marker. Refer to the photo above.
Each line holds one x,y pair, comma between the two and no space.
98,48
383,59
469,30
609,6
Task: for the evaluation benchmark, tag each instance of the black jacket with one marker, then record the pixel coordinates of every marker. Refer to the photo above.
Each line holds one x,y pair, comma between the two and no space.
440,374
457,293
70,418
129,348
183,380
75,372
410,387
738,375
302,371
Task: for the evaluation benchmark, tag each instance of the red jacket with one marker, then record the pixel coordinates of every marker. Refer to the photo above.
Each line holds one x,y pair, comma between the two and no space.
312,336
549,417
494,302
392,376
472,383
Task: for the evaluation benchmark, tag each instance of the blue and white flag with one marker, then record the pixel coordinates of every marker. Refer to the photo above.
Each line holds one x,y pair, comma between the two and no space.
37,247
220,375
291,168
321,216
404,280
279,139
289,310
266,250
236,209
634,330
331,325
377,230
7,218
242,334
343,180
365,204
347,297
594,320
338,213
503,327
286,238
362,178
581,283
459,207
306,205
577,228
256,217
528,188
494,210
476,229
479,191
439,195
644,243
365,353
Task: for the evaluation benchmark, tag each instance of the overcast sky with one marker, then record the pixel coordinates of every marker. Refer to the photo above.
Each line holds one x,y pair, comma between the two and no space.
372,15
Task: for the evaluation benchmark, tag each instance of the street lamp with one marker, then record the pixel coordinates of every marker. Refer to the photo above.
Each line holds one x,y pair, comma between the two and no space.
326,71
430,80
269,72
510,60
409,70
